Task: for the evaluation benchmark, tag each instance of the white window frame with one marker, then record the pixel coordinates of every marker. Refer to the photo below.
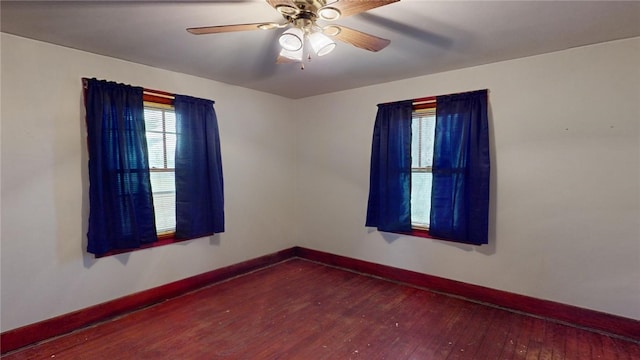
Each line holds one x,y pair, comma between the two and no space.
416,115
166,232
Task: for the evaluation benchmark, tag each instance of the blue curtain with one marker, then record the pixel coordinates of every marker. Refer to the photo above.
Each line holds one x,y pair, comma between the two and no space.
389,207
461,167
121,205
199,185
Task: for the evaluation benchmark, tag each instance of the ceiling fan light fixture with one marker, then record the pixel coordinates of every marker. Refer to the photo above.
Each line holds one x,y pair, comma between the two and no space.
291,39
293,55
321,44
329,13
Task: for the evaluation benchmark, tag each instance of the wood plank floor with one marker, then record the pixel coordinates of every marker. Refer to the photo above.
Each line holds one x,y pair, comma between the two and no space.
302,310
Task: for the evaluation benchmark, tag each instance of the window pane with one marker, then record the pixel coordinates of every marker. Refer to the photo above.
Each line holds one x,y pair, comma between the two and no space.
427,129
422,134
161,127
170,121
165,210
420,198
415,142
155,147
153,119
163,185
171,151
163,181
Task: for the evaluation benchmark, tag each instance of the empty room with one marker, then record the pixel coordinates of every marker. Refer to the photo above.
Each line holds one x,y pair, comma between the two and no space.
320,179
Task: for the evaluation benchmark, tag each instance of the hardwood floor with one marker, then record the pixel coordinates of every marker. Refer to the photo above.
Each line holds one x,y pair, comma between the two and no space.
298,309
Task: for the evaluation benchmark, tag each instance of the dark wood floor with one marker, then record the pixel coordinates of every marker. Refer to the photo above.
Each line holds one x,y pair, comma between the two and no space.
302,310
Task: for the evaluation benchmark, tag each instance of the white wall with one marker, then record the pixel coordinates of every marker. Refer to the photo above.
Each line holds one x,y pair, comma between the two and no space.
44,269
565,192
565,201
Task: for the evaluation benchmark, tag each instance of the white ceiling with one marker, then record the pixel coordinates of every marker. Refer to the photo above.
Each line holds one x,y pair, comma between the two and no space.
426,37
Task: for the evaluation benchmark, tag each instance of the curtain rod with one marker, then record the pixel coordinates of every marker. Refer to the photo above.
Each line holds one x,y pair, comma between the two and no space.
159,93
147,91
416,101
424,100
150,95
429,99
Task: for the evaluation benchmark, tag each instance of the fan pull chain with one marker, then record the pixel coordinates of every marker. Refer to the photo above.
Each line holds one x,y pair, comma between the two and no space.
302,62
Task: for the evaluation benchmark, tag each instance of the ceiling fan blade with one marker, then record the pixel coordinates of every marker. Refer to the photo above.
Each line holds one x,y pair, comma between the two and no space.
357,38
230,28
417,33
352,7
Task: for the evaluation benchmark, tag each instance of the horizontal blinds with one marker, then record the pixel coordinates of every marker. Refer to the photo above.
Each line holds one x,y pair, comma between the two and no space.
160,126
422,139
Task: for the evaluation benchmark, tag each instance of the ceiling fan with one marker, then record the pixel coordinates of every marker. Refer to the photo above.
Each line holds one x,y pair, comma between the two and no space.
301,20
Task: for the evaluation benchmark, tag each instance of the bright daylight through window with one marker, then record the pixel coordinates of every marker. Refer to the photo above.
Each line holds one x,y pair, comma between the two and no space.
423,126
160,123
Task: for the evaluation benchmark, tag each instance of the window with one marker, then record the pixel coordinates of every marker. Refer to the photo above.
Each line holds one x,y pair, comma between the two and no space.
430,172
144,191
423,126
160,124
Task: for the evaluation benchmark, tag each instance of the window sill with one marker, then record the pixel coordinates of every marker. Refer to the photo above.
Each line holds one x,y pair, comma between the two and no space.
163,239
423,233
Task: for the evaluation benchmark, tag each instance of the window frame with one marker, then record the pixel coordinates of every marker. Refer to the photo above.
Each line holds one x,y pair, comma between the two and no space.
163,107
419,113
422,104
417,104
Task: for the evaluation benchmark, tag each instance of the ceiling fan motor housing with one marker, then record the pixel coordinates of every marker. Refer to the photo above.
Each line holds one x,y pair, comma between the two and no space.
310,5
309,10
